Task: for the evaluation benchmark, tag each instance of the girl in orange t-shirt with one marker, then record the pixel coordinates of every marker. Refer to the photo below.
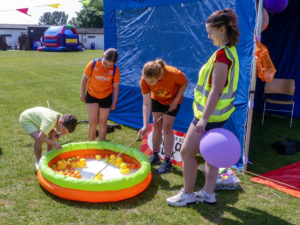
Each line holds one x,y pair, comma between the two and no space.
99,81
162,88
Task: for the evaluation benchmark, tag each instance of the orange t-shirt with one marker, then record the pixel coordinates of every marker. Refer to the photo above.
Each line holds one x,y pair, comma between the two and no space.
100,81
165,90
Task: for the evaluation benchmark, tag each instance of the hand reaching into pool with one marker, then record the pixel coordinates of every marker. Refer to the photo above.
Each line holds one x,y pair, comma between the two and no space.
57,146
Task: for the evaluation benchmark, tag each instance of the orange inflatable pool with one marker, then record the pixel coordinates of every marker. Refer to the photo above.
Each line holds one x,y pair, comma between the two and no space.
58,174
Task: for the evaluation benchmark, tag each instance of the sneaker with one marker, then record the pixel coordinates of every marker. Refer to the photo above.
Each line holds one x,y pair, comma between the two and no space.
37,165
202,196
165,167
154,158
181,199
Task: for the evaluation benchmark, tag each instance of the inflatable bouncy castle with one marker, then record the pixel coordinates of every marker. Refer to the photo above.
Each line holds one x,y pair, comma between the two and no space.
60,38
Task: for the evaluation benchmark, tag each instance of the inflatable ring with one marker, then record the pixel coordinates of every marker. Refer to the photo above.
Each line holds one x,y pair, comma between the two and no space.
93,190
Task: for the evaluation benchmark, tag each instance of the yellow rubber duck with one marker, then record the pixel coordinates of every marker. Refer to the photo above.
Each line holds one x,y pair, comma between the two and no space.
124,169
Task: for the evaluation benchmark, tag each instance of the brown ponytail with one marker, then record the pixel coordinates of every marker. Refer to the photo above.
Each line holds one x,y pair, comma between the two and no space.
154,68
228,19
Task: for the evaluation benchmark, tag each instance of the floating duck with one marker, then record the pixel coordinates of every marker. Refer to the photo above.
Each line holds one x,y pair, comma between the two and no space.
119,160
98,177
82,162
124,169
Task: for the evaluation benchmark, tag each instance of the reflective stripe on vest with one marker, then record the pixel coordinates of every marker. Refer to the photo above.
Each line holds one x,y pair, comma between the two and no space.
224,107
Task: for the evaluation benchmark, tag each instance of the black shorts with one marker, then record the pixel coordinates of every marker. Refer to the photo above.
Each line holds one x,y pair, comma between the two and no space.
209,125
103,103
157,107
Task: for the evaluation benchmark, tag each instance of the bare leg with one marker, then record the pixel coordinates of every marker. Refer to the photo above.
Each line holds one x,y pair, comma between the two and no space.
103,116
38,144
188,153
168,122
211,174
93,111
157,128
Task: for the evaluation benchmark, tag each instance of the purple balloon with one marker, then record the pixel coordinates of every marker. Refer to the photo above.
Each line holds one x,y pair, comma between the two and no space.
275,6
220,148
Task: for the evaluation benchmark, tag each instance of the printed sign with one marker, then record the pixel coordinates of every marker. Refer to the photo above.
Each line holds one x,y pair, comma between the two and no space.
147,148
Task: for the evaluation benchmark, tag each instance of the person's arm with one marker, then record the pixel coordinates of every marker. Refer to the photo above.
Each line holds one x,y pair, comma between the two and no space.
219,77
116,93
180,92
53,135
83,87
42,137
146,113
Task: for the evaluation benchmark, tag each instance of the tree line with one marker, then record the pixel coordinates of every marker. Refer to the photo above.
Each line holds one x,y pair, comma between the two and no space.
90,16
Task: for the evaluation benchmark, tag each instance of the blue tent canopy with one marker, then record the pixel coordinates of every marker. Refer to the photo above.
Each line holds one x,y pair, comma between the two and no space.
173,30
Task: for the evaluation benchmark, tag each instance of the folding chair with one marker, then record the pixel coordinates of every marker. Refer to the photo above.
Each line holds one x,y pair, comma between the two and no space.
283,87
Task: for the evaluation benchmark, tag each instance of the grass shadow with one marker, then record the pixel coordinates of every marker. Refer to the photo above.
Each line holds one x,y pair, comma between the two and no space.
215,213
162,181
251,216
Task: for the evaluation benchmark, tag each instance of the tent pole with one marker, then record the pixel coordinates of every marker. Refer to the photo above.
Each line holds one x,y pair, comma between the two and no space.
252,88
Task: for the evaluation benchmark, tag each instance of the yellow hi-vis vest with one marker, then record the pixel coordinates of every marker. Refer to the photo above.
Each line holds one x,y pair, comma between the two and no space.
224,107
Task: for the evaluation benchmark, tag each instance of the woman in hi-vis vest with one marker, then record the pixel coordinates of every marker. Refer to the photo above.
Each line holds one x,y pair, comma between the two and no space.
213,105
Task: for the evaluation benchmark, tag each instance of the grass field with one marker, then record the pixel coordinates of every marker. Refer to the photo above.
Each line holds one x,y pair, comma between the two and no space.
31,78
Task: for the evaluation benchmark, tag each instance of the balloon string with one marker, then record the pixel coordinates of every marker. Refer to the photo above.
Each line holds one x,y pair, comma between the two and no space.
276,181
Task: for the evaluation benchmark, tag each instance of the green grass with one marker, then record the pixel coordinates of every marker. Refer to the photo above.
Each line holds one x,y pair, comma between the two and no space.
31,78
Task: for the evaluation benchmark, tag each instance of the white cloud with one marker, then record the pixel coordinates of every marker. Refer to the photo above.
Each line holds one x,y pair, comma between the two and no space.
9,14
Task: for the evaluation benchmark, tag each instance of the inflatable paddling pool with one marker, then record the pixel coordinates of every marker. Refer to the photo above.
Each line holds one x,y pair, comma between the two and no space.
70,172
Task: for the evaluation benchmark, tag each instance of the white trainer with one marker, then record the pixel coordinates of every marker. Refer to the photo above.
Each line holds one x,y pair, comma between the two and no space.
202,196
181,199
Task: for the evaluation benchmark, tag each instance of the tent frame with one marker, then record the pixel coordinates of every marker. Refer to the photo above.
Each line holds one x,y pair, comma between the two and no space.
252,88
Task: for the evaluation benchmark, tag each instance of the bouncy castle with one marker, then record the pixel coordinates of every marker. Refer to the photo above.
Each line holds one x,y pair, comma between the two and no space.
60,38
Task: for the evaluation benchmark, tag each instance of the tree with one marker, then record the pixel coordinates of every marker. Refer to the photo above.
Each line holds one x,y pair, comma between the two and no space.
55,18
98,4
88,17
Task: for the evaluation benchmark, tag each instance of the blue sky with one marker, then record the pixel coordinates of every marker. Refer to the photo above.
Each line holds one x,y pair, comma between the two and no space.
9,14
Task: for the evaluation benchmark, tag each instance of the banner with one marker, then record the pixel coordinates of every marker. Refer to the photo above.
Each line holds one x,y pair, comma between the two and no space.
25,10
147,146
